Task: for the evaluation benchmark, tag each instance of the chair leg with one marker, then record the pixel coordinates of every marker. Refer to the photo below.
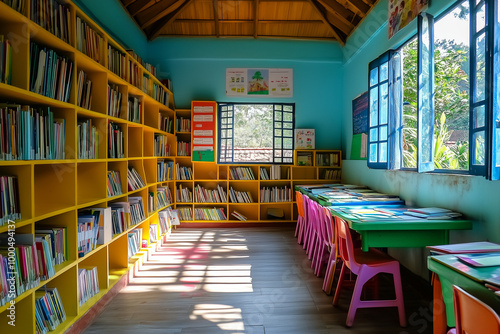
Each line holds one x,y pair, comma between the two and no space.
339,284
399,297
330,273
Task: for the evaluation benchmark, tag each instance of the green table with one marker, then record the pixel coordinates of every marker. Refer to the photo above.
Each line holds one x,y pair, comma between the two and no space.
452,271
403,233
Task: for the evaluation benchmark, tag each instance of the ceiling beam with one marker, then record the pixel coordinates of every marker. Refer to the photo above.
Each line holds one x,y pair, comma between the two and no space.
139,5
333,5
157,12
127,3
250,21
325,20
155,30
338,16
359,4
256,18
216,17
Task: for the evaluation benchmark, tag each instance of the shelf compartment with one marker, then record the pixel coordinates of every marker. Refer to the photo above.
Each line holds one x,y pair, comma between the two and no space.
304,173
150,169
118,257
250,211
25,317
121,167
99,90
135,140
101,126
151,112
277,208
54,187
67,220
223,172
98,259
205,171
92,181
24,174
251,187
13,31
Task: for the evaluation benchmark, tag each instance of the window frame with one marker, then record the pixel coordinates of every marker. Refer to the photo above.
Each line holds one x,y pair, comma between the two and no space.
492,95
220,124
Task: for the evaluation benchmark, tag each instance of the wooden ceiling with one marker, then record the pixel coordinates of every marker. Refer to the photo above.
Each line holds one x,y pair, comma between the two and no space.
298,19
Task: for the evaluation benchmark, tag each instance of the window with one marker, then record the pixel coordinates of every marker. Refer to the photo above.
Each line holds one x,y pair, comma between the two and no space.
256,133
449,91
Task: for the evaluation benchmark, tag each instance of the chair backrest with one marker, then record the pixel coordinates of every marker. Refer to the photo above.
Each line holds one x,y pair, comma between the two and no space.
300,204
309,206
345,246
472,316
330,227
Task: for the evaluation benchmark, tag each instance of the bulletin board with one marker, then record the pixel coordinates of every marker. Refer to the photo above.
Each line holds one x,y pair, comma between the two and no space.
203,118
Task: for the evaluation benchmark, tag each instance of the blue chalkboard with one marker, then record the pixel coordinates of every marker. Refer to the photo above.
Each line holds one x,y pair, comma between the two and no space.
360,114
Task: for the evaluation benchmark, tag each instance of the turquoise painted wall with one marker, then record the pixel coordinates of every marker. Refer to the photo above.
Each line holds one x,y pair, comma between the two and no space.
474,196
197,68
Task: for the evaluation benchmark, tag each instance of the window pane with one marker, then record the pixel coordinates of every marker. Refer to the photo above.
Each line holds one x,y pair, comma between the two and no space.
287,125
277,125
384,71
230,133
277,107
278,115
287,133
451,86
287,108
481,68
278,132
288,153
497,135
373,152
374,134
383,132
277,142
223,133
224,108
480,18
383,152
479,117
287,117
287,143
277,153
374,76
479,148
384,97
410,54
374,106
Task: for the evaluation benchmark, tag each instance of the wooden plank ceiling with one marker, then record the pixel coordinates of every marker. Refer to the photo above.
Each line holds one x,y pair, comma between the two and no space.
298,19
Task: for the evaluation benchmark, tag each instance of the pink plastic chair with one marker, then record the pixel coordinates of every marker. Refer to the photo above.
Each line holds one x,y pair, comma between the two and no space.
366,265
472,316
333,258
323,245
302,217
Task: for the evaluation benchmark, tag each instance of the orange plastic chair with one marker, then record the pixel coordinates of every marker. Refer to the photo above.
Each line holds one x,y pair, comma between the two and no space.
301,219
472,316
366,265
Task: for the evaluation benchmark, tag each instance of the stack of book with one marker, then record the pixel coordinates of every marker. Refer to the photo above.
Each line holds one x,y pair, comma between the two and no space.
49,310
153,233
327,159
202,195
84,91
185,213
433,213
134,241
183,173
161,146
264,175
87,138
168,218
275,194
209,214
53,16
50,73
184,195
88,230
88,41
134,109
134,179
116,147
28,133
137,214
147,66
52,248
163,197
120,216
88,284
114,185
10,208
183,125
238,216
16,4
117,62
240,196
114,100
164,170
183,149
104,222
133,74
241,173
151,202
165,123
146,83
5,60
159,94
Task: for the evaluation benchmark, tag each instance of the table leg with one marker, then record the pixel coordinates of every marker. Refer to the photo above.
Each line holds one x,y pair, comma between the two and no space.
439,309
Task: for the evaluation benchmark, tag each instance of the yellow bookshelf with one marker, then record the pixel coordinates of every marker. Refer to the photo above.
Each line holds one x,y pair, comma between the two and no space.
52,192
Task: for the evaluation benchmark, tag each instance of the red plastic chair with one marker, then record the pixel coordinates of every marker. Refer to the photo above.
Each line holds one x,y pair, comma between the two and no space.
472,316
302,217
366,265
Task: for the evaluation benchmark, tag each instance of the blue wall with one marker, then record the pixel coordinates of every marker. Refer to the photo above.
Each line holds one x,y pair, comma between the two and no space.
474,196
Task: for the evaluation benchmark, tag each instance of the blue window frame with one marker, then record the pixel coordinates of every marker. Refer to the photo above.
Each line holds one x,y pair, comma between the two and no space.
384,139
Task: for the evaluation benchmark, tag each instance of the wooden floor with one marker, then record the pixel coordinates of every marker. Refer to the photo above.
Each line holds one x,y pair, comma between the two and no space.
245,280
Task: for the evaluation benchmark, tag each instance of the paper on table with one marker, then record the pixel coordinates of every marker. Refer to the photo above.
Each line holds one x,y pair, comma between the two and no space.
481,260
